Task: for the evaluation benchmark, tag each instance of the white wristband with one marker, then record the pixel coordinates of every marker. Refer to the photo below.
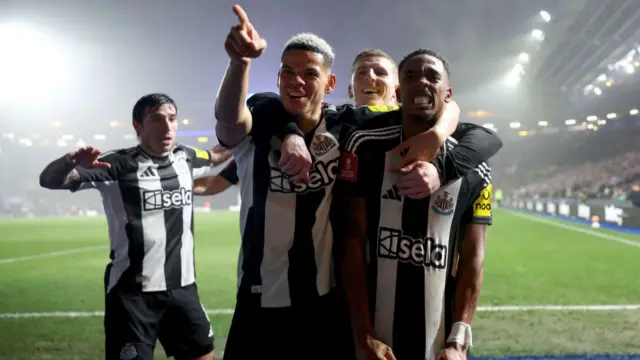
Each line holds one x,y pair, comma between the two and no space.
460,334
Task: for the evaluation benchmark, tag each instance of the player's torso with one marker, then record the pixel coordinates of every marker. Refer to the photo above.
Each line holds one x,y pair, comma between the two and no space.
410,252
156,202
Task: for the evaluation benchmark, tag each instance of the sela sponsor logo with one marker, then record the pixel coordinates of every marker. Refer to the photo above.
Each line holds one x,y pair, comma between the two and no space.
322,174
392,244
443,204
322,144
163,200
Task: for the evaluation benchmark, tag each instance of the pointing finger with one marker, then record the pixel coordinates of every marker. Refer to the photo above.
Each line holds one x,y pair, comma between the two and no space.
241,14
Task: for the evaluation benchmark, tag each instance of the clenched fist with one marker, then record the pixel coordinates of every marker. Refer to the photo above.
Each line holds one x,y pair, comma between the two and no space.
243,42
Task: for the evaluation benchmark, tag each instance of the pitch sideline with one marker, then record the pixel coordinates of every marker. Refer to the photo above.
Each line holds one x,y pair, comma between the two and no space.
52,254
229,311
560,224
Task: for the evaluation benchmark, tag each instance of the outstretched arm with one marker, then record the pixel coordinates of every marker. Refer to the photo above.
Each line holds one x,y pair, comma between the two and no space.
59,174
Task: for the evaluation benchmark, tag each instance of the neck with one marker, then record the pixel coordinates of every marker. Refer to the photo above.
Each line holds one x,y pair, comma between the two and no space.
307,122
149,151
413,125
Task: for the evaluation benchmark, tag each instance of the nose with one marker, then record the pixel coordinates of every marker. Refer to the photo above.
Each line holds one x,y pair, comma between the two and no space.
296,81
370,75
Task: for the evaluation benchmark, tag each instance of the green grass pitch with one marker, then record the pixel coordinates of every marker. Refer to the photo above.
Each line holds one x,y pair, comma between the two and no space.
527,263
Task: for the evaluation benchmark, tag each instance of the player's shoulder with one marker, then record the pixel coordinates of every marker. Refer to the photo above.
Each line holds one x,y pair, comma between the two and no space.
192,152
118,155
264,100
381,127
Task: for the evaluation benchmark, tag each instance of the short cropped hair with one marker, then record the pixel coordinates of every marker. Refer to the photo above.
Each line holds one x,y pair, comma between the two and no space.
314,43
371,53
427,52
150,101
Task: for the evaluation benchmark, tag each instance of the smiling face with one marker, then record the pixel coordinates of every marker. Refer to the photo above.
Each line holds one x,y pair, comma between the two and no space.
424,87
374,81
303,81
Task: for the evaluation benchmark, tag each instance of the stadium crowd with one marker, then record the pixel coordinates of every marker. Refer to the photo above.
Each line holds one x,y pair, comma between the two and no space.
604,164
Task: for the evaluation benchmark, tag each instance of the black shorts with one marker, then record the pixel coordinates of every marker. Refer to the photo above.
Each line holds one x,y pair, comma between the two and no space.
134,321
318,331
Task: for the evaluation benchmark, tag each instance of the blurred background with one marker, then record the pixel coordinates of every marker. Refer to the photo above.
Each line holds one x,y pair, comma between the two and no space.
558,80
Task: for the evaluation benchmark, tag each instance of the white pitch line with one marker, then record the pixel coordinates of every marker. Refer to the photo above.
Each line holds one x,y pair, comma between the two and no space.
51,254
499,308
542,220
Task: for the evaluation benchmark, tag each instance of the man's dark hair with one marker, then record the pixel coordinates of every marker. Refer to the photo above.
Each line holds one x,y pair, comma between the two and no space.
371,53
428,53
314,43
150,101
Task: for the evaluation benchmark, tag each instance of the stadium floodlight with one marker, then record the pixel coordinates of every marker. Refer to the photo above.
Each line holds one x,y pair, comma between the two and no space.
545,16
523,57
602,77
203,139
570,122
185,122
590,126
543,123
114,123
32,64
597,91
592,118
633,112
628,67
537,34
602,122
99,137
515,125
611,115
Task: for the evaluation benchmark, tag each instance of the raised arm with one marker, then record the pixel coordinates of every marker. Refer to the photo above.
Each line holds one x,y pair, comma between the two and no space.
234,121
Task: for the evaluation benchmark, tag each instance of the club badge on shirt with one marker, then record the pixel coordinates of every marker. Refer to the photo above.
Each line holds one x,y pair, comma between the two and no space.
349,167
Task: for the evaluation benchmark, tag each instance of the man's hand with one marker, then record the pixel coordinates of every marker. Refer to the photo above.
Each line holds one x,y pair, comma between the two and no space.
374,349
295,160
243,42
219,155
87,157
419,180
422,147
452,352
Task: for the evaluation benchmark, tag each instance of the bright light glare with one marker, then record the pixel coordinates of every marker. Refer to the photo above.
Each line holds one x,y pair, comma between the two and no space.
32,63
543,123
597,91
515,125
570,122
537,34
602,122
633,112
602,77
629,68
592,118
545,16
524,57
611,115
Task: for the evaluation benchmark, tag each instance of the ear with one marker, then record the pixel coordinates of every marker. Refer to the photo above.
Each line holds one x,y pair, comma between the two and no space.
350,91
331,84
278,80
398,97
137,127
448,95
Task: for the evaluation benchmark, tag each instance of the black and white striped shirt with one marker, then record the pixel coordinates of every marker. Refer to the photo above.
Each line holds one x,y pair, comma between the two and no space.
286,253
411,243
148,204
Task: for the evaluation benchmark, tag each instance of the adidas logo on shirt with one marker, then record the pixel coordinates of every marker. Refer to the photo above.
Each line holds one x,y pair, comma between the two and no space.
392,194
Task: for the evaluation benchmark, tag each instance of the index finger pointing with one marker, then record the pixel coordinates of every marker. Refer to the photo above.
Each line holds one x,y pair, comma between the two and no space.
241,14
